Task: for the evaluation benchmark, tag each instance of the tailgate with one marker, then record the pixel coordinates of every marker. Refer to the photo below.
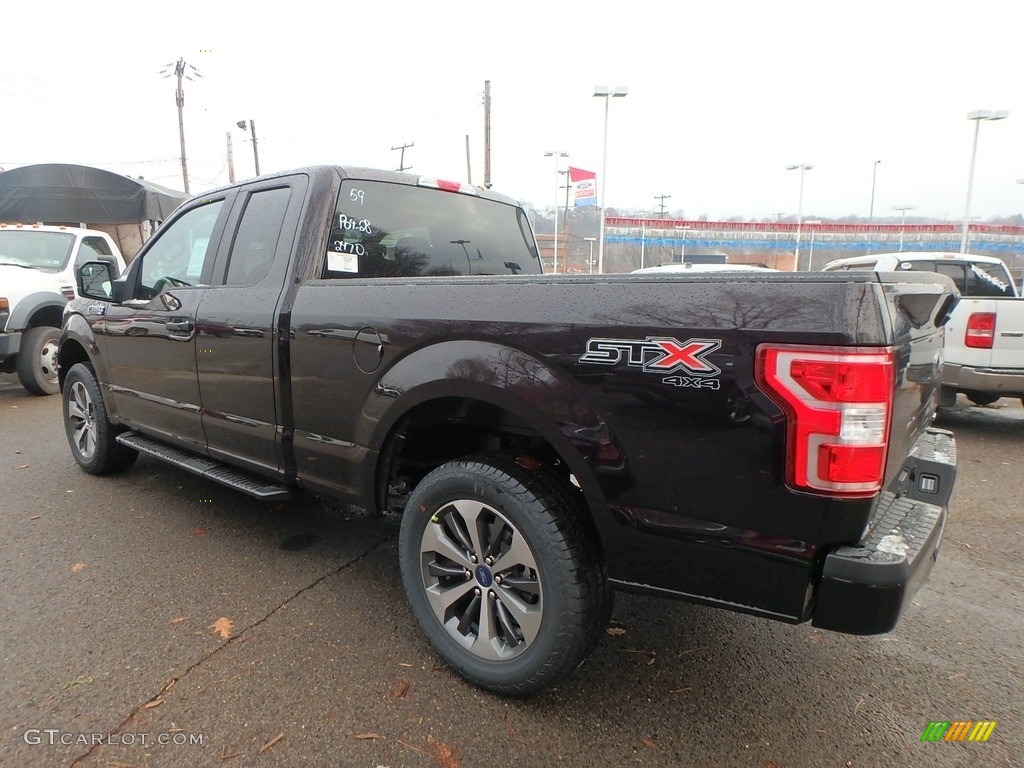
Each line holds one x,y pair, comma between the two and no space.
1008,344
919,305
1007,351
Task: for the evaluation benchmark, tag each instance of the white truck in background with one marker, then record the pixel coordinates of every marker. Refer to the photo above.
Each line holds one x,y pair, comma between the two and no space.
984,346
37,278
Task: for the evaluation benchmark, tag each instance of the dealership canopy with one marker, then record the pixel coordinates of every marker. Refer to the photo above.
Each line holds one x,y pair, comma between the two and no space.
66,194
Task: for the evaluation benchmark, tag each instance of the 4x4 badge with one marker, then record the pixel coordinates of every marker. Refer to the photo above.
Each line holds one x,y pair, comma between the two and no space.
655,354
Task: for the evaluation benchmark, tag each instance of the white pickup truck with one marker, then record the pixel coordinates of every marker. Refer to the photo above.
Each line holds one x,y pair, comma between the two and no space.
37,278
984,347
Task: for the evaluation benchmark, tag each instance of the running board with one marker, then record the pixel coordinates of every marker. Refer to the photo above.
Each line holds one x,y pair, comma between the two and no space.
208,468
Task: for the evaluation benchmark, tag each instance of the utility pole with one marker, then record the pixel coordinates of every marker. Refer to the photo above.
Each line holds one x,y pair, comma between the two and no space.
179,97
231,161
401,162
255,147
487,134
469,167
661,204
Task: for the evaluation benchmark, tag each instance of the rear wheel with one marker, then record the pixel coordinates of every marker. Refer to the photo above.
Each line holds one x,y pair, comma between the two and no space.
37,360
501,573
981,398
90,434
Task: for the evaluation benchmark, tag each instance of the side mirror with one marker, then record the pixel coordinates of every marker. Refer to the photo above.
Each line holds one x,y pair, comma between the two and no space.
96,281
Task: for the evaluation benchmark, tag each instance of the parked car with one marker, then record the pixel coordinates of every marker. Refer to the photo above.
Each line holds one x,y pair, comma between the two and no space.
984,348
37,278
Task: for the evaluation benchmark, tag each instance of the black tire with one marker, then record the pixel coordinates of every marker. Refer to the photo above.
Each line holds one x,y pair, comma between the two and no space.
37,360
947,398
981,398
545,599
90,434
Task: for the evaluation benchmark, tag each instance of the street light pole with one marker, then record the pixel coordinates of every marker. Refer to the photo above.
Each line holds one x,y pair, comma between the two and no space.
977,116
799,211
643,240
605,92
555,153
682,244
810,253
903,220
1021,181
874,176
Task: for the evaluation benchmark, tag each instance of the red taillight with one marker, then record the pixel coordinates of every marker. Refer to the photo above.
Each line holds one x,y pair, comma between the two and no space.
981,330
447,186
838,404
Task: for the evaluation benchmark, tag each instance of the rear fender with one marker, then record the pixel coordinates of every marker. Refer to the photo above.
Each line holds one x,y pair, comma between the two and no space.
537,394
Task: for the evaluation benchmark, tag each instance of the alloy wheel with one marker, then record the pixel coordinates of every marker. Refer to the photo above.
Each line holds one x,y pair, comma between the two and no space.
481,579
83,424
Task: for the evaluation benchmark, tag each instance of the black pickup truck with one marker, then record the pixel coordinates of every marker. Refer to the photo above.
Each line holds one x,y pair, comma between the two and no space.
760,443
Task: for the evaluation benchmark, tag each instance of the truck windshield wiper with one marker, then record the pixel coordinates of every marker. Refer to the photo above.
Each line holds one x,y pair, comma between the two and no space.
15,264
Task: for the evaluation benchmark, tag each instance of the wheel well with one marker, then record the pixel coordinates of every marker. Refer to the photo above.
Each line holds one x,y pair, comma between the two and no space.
445,429
52,316
71,352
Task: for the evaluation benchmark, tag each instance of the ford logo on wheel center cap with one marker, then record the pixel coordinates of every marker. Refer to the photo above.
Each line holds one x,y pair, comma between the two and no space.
483,575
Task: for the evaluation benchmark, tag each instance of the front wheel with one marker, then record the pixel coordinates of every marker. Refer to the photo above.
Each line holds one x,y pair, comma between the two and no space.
90,434
37,360
502,573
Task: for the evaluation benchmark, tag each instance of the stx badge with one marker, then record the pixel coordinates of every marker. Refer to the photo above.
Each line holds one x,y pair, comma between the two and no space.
655,354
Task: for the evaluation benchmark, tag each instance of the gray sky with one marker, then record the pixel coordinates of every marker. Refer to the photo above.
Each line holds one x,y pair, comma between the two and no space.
722,95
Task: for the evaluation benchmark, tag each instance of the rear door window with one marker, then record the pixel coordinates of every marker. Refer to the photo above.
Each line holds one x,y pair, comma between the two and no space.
383,229
255,243
952,270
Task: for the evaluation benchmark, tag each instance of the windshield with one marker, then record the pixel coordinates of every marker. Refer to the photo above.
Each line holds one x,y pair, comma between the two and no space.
48,251
381,229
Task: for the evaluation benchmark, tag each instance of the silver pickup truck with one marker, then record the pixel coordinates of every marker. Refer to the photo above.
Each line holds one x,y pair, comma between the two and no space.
984,348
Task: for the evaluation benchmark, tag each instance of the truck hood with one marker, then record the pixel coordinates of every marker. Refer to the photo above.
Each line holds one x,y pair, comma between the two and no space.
19,281
26,290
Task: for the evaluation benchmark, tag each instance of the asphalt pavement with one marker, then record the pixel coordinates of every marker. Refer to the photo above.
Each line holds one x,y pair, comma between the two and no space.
155,619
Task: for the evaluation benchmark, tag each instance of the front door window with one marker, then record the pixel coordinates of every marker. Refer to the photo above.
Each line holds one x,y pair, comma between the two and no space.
182,256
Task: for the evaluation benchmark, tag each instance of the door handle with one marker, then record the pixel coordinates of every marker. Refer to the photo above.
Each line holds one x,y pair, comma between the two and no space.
184,326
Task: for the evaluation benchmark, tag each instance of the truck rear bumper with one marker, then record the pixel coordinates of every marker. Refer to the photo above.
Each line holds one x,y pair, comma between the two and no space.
865,587
995,380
